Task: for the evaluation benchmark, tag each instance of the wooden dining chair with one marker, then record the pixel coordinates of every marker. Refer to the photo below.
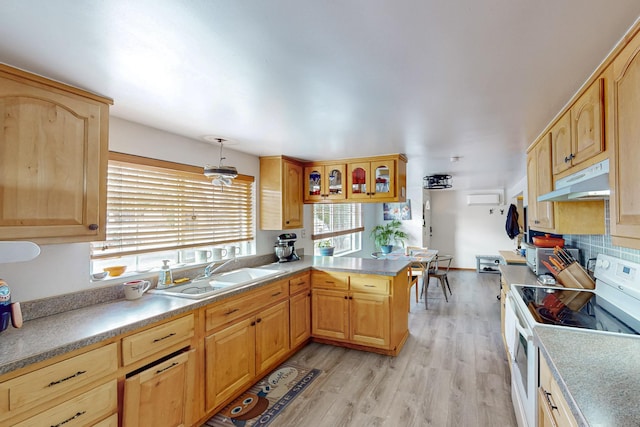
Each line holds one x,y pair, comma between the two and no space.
439,269
413,280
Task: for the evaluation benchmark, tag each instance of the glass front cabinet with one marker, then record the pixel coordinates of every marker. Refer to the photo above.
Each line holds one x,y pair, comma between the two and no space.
372,180
324,183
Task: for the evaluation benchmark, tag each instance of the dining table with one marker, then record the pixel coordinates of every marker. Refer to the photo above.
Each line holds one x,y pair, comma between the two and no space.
422,257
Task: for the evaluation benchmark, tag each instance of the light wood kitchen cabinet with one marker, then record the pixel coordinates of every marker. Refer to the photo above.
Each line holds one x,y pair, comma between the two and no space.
579,134
87,409
324,182
53,160
159,340
230,361
161,395
584,217
82,384
624,133
553,409
359,310
299,309
561,147
539,181
379,179
280,193
247,335
587,124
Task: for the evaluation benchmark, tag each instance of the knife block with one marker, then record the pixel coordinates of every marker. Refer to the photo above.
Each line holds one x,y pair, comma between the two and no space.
574,276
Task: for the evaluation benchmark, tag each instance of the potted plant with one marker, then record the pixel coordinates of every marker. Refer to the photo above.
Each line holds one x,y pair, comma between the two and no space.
386,235
325,248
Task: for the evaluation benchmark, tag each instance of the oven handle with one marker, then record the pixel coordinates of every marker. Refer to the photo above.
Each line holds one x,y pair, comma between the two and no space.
520,319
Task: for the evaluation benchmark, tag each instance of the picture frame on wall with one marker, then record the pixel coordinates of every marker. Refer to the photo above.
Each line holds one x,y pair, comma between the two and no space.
399,211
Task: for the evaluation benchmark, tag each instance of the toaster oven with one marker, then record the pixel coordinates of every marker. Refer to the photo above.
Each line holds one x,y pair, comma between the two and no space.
536,255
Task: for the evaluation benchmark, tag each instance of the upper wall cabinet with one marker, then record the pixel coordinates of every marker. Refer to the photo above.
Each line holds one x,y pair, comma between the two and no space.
377,179
585,217
624,132
324,182
53,160
579,135
280,193
540,182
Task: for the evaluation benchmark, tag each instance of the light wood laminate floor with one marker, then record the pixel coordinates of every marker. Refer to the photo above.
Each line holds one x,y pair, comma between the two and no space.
451,372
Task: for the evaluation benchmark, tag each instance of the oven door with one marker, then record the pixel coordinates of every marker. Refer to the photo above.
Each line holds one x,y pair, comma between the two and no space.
524,362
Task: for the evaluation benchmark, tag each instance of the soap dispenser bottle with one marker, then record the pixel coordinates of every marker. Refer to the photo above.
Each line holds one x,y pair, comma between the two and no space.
166,278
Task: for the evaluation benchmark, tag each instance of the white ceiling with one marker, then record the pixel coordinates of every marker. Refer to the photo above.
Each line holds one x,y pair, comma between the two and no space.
319,80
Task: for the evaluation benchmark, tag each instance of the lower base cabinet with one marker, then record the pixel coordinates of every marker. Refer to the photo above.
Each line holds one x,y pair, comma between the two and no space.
161,395
88,409
553,409
360,310
236,354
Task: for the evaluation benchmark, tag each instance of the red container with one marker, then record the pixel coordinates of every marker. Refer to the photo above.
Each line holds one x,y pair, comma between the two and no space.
547,241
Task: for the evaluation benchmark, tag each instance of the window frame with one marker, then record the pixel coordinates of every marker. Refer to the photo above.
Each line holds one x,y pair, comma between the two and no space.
194,196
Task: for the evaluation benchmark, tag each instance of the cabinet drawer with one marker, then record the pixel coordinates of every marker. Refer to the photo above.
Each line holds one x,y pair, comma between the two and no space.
243,305
112,421
299,283
154,340
64,377
329,280
372,284
83,410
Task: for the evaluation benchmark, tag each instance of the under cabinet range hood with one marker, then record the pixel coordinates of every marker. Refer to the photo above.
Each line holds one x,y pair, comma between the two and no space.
591,183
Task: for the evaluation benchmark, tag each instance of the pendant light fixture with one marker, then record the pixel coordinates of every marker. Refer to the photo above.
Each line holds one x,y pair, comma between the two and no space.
221,175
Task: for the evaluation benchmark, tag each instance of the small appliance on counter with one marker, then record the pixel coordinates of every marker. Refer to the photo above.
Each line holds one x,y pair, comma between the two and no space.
10,252
537,257
285,248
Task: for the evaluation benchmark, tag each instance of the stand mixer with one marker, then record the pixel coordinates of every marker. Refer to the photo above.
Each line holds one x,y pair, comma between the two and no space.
285,249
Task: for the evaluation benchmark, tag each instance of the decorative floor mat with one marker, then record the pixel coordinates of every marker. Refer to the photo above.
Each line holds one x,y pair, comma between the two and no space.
259,405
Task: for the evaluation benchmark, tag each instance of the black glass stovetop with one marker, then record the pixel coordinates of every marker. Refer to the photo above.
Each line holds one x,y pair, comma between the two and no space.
576,309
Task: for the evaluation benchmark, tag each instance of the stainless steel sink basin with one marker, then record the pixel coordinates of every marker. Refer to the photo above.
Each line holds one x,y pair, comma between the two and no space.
213,285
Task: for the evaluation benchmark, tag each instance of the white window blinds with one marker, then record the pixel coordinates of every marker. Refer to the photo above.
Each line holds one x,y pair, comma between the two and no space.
331,220
154,205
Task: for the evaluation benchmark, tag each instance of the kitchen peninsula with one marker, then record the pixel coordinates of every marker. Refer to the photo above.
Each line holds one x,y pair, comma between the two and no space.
109,339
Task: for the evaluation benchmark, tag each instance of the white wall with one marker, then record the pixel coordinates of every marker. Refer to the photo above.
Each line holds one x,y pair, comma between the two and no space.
466,231
64,268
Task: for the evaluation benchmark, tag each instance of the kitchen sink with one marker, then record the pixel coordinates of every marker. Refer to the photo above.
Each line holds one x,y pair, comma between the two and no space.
213,285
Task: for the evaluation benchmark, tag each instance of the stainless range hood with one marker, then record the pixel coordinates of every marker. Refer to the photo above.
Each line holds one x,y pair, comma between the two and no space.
591,183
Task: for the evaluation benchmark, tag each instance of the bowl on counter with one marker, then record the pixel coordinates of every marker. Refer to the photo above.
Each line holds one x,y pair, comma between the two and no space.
116,270
99,276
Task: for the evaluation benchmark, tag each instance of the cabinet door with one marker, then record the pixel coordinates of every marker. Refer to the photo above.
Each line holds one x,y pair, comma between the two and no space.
382,179
359,176
162,394
334,182
292,207
330,314
625,158
300,318
53,151
369,319
587,127
540,182
561,144
313,190
272,336
229,361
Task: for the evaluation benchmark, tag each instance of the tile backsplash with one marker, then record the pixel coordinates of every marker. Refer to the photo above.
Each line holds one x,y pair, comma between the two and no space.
591,245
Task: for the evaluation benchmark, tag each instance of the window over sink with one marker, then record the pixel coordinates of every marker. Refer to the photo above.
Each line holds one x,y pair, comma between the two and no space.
163,210
340,224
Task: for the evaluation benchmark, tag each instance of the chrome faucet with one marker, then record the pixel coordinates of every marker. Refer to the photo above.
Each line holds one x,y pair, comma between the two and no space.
209,270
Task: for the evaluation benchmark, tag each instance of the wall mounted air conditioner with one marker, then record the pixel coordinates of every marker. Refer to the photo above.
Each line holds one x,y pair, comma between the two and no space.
483,199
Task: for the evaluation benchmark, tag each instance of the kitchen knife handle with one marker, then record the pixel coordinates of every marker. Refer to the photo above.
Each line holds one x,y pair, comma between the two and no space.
16,315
